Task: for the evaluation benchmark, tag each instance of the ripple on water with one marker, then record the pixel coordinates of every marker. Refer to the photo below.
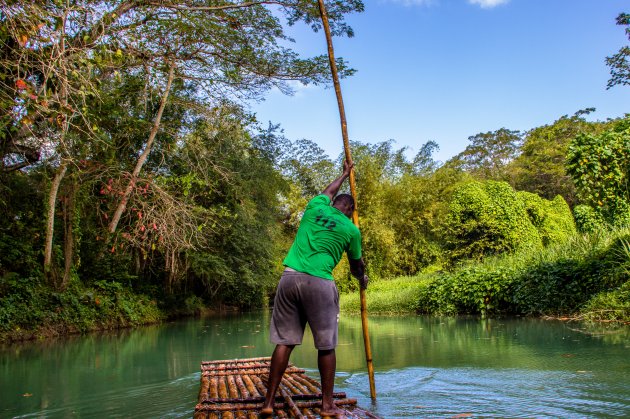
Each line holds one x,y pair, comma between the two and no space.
464,392
172,400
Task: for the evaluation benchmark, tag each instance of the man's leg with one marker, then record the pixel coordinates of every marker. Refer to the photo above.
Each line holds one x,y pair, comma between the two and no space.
279,362
327,364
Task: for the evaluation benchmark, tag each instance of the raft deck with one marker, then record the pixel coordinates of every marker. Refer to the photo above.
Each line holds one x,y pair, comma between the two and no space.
236,389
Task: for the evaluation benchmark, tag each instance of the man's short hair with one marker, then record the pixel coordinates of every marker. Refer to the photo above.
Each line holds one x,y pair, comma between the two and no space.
345,199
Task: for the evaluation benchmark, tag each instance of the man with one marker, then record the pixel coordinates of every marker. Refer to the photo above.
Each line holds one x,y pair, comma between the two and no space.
307,292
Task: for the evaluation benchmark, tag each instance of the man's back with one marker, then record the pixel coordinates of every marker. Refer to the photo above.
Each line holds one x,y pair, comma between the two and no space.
324,234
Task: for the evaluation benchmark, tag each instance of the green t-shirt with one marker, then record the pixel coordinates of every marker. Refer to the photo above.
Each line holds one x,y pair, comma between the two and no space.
324,234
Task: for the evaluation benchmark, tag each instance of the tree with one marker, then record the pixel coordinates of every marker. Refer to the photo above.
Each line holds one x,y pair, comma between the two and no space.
620,62
226,52
541,166
489,154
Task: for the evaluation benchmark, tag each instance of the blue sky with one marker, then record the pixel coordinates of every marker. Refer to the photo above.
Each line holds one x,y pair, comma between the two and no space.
444,70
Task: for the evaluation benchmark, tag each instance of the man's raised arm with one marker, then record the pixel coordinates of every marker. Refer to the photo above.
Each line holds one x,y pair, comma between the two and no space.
332,189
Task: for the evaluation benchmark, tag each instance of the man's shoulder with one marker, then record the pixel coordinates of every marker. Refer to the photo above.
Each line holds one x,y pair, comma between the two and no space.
318,202
320,199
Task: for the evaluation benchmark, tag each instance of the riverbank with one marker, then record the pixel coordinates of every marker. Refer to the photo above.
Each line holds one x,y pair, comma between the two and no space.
586,278
29,309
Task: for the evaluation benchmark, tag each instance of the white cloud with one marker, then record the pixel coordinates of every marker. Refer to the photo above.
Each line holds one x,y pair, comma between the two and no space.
488,4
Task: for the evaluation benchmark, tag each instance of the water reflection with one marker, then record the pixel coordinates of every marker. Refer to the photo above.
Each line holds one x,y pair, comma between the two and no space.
425,367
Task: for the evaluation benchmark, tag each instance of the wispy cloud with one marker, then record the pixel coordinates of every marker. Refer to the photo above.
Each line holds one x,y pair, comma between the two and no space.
488,4
484,4
413,2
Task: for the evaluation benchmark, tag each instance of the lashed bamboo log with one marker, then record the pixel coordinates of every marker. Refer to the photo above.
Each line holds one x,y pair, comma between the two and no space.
260,399
223,361
307,386
223,393
279,406
238,367
213,391
290,403
205,386
230,371
251,387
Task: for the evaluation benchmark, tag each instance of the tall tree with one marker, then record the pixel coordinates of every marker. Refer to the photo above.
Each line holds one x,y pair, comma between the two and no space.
541,166
229,51
619,63
488,154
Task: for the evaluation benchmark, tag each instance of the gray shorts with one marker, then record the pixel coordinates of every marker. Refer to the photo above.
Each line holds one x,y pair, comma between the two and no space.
300,299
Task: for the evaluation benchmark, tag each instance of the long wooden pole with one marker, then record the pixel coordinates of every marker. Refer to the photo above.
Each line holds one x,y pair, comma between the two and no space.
355,213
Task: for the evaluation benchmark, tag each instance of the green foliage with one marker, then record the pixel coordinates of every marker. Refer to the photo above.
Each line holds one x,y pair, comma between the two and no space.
21,228
400,203
553,219
540,168
586,276
213,211
600,168
588,220
29,308
475,289
486,219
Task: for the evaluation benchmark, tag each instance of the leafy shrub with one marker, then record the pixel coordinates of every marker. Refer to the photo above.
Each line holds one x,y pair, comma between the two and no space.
474,289
600,168
587,273
553,219
588,220
487,218
28,307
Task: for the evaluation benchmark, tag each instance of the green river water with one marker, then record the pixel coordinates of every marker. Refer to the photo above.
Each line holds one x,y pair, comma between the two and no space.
424,367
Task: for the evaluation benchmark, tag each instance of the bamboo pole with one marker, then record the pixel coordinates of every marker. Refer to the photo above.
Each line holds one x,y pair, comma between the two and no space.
355,213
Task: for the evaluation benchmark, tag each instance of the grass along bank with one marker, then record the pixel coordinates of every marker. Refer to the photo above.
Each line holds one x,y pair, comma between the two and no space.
587,278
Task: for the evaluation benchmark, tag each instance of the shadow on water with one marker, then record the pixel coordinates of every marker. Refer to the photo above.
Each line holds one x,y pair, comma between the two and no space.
425,367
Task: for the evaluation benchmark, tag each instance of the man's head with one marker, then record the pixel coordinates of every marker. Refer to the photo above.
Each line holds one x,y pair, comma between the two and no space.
344,203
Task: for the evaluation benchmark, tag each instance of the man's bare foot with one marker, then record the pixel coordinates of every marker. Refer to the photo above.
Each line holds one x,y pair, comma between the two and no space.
266,412
333,412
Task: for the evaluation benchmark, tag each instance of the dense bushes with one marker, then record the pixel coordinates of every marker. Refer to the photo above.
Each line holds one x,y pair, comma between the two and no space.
489,218
600,168
28,308
586,277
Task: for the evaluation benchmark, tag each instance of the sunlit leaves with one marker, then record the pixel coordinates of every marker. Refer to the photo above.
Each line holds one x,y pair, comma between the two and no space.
600,168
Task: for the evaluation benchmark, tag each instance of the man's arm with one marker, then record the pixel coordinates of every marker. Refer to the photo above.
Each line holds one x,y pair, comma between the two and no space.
357,269
332,189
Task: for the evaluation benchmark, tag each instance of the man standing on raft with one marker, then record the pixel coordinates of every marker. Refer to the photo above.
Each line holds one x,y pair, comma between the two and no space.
307,292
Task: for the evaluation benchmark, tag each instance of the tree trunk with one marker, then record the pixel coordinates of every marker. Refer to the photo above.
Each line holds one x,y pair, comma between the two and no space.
122,205
50,216
68,245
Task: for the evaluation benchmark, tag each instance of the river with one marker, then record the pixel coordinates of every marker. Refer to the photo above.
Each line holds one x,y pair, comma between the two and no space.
424,367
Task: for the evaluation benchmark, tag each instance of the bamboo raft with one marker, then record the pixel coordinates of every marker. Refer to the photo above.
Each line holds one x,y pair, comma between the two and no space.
236,389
